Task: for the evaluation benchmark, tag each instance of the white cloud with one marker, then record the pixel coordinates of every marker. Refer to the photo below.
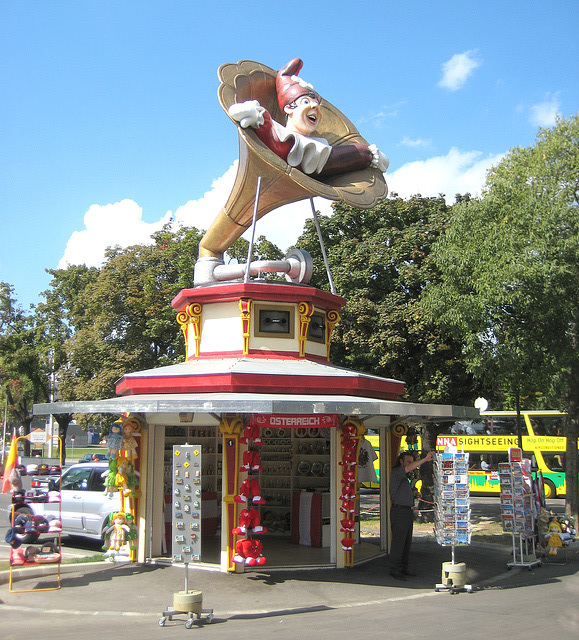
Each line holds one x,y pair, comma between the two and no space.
544,114
456,172
457,70
122,224
418,142
108,225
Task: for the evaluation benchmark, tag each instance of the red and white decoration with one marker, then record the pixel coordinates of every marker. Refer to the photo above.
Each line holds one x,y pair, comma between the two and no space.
248,550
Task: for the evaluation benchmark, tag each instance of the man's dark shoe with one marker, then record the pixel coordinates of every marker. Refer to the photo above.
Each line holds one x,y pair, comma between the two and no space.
398,575
409,572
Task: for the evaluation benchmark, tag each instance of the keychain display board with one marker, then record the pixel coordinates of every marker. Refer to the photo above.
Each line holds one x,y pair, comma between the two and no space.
518,511
452,514
186,492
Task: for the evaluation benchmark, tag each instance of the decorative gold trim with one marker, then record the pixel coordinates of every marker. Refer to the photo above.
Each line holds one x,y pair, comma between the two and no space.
305,311
332,318
245,305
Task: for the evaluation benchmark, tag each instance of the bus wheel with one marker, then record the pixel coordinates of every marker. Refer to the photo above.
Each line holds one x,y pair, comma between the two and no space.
550,491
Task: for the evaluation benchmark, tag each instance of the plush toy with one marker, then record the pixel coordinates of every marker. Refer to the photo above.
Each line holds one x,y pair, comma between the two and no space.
249,519
554,539
348,459
347,525
121,479
117,531
349,429
348,476
114,439
109,476
15,480
248,552
348,507
250,491
132,536
347,544
348,493
128,443
251,461
251,433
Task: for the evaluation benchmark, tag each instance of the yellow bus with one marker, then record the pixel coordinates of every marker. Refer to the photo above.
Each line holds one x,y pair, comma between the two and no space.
488,442
489,439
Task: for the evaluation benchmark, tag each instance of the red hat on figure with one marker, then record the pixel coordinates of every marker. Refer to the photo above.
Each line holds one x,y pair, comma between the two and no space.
289,87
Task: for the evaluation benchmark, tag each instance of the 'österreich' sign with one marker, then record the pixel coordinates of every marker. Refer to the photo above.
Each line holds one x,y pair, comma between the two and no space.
288,421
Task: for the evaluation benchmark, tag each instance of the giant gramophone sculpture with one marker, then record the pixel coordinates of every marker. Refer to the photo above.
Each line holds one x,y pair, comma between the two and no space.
282,161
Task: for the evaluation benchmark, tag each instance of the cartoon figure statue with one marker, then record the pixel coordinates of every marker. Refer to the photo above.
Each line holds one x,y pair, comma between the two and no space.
117,531
114,439
295,142
298,145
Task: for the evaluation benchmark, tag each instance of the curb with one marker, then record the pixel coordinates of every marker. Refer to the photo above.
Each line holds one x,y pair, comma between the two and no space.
39,571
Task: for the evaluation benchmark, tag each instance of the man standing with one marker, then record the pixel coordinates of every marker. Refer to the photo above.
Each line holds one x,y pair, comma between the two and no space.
401,514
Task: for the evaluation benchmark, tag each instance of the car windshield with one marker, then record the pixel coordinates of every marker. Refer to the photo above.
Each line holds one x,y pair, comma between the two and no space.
76,479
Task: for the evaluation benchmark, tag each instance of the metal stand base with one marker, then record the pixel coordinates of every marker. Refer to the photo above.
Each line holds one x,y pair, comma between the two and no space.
170,613
453,589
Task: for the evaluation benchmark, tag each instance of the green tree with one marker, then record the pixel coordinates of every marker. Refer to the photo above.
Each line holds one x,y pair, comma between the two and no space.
510,277
381,260
121,315
22,373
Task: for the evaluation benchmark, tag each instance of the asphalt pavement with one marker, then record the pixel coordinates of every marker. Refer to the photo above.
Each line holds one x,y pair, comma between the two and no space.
128,600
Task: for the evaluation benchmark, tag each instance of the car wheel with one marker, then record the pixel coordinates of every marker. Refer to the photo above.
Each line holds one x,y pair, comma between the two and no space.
26,538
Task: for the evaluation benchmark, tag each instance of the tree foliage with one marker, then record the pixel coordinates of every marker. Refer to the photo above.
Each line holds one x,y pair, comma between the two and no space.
380,261
23,375
510,276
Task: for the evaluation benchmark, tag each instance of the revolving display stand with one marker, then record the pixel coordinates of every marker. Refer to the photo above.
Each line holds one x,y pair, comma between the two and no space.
518,509
186,531
452,515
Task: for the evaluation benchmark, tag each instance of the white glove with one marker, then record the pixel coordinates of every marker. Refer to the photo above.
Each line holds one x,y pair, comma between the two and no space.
248,113
380,161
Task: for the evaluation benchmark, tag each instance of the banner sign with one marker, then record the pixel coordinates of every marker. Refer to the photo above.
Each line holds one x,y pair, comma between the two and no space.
289,421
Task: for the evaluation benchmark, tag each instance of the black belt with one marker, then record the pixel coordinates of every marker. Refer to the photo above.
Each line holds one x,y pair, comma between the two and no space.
402,506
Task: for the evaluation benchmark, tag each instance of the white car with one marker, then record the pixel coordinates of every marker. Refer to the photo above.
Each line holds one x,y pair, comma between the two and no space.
84,507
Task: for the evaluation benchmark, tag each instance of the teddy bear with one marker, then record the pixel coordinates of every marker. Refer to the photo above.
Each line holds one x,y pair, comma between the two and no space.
249,492
248,552
249,519
251,433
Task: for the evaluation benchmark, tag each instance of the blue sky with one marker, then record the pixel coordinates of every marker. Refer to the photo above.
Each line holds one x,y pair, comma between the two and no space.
111,124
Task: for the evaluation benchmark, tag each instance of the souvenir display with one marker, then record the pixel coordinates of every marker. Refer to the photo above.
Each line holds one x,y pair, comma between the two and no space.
186,522
248,549
452,498
518,508
43,531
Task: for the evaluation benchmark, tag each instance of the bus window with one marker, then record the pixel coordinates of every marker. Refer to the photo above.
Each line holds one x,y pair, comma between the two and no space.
554,461
503,425
546,426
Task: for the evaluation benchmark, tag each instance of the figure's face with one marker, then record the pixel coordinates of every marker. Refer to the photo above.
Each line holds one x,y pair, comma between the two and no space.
304,117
